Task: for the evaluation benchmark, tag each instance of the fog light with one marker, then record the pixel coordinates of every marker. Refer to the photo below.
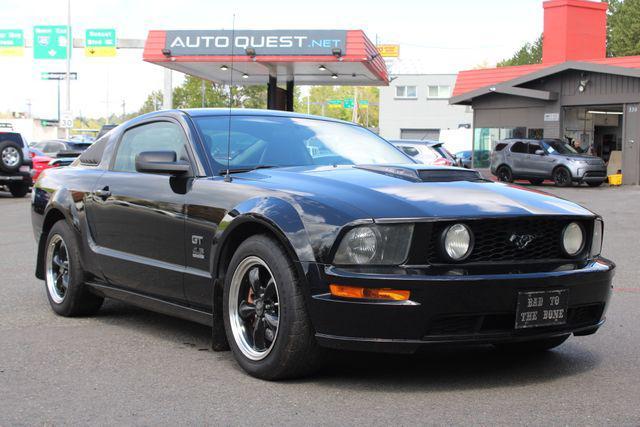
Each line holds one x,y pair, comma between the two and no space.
369,293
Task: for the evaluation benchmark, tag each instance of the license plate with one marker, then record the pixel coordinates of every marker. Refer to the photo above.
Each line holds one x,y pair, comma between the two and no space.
542,308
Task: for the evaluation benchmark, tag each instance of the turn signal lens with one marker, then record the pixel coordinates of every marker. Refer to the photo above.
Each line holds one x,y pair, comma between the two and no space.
369,293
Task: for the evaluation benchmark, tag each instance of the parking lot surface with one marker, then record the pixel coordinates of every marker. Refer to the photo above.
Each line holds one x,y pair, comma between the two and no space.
130,366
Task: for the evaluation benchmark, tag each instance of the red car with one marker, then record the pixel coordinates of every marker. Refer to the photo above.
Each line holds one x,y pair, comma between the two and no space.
41,162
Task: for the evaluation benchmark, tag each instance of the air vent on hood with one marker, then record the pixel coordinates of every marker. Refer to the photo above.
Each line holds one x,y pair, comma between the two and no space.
425,175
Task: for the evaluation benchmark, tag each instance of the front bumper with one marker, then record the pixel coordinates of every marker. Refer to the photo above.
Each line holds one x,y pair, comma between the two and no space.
452,306
590,173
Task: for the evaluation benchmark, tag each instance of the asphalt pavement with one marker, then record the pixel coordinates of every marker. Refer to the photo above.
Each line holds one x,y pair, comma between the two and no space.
132,367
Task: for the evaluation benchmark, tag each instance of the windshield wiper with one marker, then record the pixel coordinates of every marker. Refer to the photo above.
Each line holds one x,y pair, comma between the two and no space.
247,169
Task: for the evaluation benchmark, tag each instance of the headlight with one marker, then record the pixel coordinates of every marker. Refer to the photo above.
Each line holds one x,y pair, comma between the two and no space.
596,240
375,245
573,239
457,242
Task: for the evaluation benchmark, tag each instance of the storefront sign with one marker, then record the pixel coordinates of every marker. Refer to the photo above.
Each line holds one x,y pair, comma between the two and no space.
389,50
551,117
11,43
267,42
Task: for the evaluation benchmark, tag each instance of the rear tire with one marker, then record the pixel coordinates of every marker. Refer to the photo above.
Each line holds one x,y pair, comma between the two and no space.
533,346
504,174
562,177
595,184
10,156
18,189
265,317
64,276
536,181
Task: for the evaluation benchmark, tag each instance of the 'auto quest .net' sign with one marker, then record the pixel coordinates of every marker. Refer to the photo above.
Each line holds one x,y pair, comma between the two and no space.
268,42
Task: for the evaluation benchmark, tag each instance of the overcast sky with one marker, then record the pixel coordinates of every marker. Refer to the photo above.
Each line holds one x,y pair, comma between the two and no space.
435,37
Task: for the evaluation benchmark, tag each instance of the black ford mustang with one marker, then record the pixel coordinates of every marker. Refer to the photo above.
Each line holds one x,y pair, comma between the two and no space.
289,234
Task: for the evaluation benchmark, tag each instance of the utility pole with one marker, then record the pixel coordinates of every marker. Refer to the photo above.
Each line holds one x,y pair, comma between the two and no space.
68,73
204,92
123,109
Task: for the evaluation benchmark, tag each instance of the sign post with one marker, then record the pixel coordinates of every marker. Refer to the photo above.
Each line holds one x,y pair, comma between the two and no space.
58,77
100,42
50,42
11,43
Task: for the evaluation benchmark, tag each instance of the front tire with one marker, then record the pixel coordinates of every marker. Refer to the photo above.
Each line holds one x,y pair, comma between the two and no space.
265,318
562,177
64,276
536,181
19,189
534,346
594,184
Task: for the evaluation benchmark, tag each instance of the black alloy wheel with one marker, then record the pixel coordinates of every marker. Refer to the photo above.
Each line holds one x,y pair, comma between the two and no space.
562,177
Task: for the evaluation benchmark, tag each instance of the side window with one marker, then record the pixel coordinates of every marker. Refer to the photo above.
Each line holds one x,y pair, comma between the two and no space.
533,147
499,147
157,136
519,147
53,147
93,155
410,151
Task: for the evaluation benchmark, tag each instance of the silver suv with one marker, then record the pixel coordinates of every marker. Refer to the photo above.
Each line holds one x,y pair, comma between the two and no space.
537,160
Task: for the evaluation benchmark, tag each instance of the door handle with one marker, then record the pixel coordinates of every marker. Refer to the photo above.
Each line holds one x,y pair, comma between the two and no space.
103,193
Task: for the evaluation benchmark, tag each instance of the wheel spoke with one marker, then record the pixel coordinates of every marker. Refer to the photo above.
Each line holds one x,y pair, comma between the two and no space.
246,310
272,320
57,261
254,280
258,335
270,290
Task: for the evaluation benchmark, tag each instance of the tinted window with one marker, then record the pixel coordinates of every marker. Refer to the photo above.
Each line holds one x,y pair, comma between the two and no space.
500,146
93,155
411,151
533,147
78,146
158,136
292,141
519,147
53,147
558,146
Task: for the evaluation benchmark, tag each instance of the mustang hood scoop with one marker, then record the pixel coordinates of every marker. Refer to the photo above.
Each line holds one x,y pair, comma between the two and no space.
415,174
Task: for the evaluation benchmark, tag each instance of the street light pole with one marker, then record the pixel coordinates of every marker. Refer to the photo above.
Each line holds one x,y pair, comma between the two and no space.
68,73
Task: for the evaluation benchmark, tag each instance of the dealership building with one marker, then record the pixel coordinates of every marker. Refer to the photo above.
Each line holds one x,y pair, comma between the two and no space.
416,106
576,93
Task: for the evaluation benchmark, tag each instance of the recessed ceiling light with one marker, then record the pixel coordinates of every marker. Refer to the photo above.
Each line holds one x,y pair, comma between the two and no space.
322,68
334,76
245,76
224,67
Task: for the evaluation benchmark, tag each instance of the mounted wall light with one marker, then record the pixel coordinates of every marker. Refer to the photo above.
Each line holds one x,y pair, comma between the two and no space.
337,52
584,81
250,52
166,52
224,67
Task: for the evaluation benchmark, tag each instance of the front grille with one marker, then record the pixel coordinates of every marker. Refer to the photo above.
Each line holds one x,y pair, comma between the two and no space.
492,323
493,240
598,174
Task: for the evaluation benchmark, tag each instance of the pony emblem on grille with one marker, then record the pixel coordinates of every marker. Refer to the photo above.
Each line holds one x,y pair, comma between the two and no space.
521,241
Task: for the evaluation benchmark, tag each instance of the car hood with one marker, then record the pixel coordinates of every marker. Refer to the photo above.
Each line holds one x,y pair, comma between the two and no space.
384,194
579,156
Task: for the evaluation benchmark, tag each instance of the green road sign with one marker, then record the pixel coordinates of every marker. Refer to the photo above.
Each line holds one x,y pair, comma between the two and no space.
348,103
50,41
11,43
56,75
335,103
100,42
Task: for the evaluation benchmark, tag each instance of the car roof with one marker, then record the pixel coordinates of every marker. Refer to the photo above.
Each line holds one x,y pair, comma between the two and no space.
205,112
427,142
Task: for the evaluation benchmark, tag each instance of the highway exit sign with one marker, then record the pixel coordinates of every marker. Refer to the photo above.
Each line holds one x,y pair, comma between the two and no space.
11,43
50,41
100,42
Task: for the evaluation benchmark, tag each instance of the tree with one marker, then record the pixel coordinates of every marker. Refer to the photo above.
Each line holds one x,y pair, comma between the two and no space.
529,53
319,97
152,103
623,35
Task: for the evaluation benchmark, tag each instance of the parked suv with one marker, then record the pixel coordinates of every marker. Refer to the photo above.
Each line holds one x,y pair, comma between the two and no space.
15,162
537,160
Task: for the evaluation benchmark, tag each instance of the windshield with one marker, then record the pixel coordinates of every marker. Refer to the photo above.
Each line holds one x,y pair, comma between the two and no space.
556,146
261,141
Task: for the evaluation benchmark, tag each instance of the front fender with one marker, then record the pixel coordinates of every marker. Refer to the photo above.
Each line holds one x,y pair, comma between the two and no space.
277,215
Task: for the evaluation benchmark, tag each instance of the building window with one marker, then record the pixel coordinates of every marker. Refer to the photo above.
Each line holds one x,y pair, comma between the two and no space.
409,92
439,92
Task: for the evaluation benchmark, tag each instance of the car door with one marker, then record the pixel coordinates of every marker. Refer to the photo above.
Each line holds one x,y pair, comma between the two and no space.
517,156
138,218
538,165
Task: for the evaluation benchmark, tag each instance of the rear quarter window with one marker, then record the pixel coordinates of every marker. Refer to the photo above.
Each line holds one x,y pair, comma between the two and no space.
93,155
500,146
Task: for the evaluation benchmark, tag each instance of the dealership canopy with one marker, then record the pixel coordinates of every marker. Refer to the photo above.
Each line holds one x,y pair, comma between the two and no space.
308,57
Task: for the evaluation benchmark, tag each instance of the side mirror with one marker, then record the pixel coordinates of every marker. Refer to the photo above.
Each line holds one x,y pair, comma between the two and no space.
539,152
161,162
